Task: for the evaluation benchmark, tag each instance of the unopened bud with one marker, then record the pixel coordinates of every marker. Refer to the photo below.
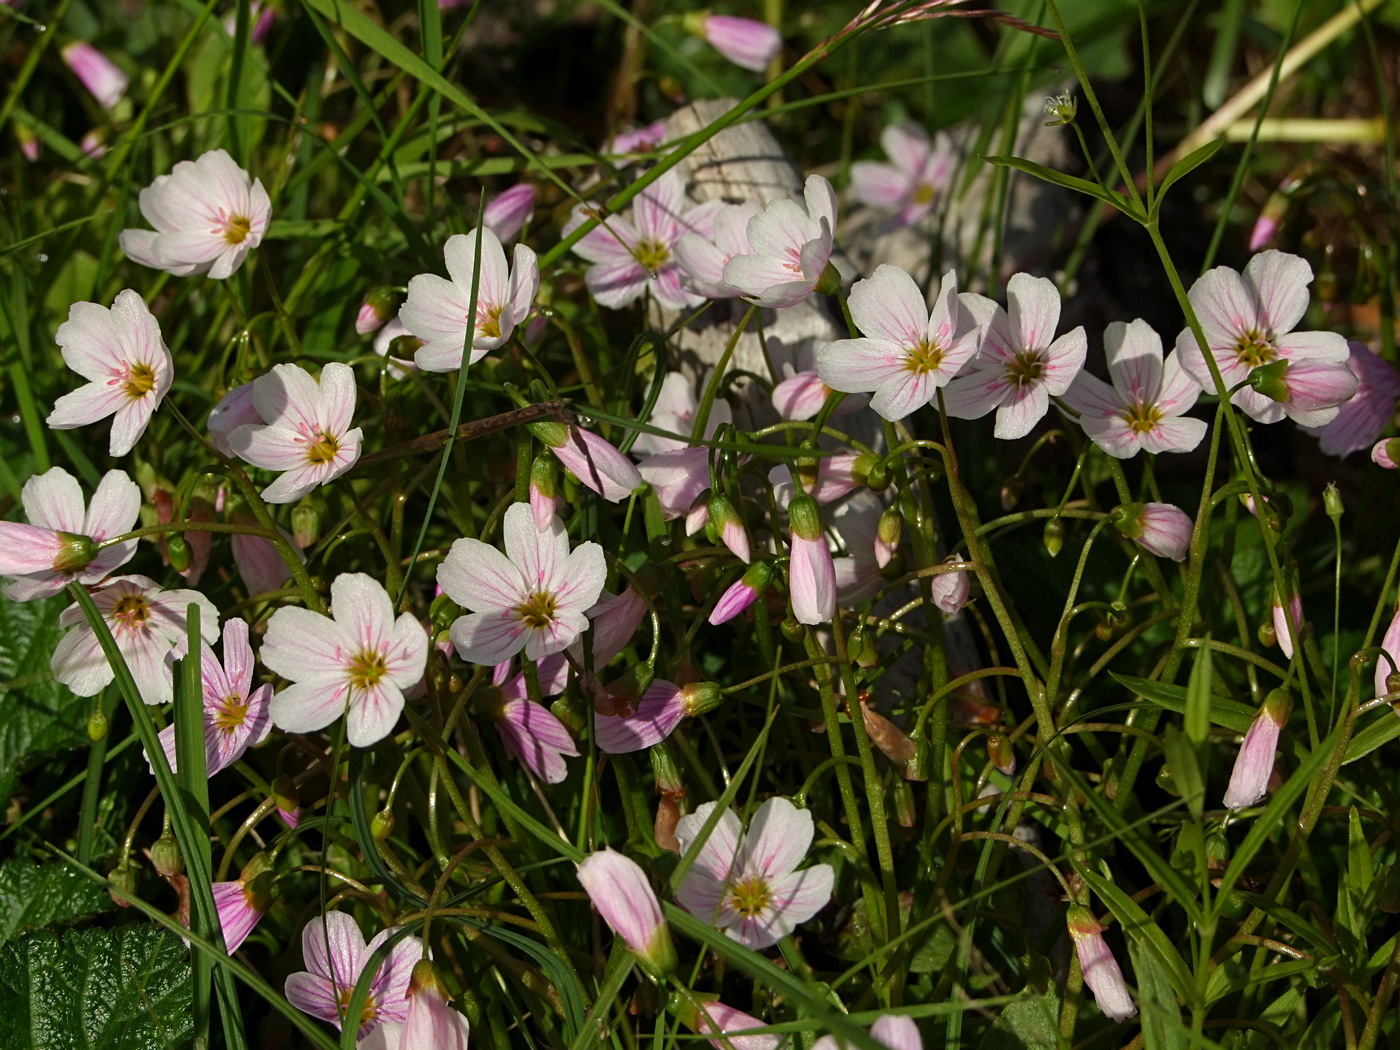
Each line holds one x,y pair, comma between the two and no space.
177,550
1332,501
868,466
381,825
443,612
805,517
165,855
1267,635
1002,754
97,724
123,879
1012,489
726,527
830,281
544,476
861,649
701,698
1054,536
380,305
551,433
75,553
887,536
306,522
666,769
287,800
792,630
1270,381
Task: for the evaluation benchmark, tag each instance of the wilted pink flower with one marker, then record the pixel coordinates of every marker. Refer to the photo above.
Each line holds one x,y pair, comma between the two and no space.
703,258
639,140
745,42
1101,971
951,590
747,884
1255,763
634,255
307,432
207,216
532,734
335,953
679,478
1158,528
431,1024
259,561
742,593
235,714
908,353
674,410
620,728
596,463
242,903
509,210
436,309
356,662
1143,409
619,889
907,186
1022,363
791,248
857,523
533,597
725,1025
122,355
1363,418
1248,321
235,409
1390,644
1281,612
148,624
98,73
811,574
59,543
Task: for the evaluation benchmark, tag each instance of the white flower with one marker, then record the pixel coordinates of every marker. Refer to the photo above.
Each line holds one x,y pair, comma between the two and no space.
791,248
207,216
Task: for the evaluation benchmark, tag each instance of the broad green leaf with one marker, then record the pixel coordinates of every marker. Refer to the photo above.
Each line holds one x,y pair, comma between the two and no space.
1182,168
1380,732
37,715
38,895
1069,182
1028,1024
1223,711
126,989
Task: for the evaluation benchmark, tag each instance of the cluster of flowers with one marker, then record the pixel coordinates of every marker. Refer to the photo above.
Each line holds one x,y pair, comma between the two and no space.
966,355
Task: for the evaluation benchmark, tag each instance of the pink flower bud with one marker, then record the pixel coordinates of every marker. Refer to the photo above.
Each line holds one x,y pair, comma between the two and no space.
811,572
368,319
597,464
624,898
98,73
950,590
745,42
507,212
720,1022
28,143
430,1023
1255,762
1281,612
742,593
1390,644
1386,453
729,527
1101,971
1158,528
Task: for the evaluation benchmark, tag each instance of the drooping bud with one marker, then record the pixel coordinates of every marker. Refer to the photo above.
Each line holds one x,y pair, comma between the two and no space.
287,800
861,648
177,550
950,590
887,535
1101,970
306,522
1287,605
745,42
98,73
624,898
75,552
431,1024
509,210
1386,453
165,855
380,305
544,490
1158,528
1270,381
1002,754
1054,536
1255,761
123,879
700,698
729,527
97,724
742,593
792,630
381,825
811,572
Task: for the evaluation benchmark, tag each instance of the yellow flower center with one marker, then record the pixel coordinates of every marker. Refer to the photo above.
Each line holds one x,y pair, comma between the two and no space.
230,713
237,228
323,450
1253,349
369,1013
923,193
131,612
140,380
924,358
652,255
750,897
1026,368
488,321
366,669
538,610
1142,418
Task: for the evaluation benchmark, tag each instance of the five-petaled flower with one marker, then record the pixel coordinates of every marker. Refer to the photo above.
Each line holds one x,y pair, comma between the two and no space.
791,248
907,186
356,662
207,216
306,433
1021,363
907,352
534,597
122,355
438,311
335,953
1144,408
748,884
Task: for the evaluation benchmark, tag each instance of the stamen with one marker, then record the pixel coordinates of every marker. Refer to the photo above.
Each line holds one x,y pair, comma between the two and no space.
366,669
323,450
538,610
750,897
140,380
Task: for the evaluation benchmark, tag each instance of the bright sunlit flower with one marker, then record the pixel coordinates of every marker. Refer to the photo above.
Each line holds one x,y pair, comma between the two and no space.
236,715
149,626
703,258
1144,408
596,462
748,885
122,355
917,173
534,597
59,543
1022,363
306,433
791,248
357,662
335,953
638,254
437,310
1248,321
908,353
207,216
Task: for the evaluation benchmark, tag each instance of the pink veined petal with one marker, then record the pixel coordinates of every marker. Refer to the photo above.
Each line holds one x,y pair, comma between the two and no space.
1092,397
493,285
799,895
668,289
800,396
129,422
598,465
615,284
1114,435
373,713
524,282
309,705
395,974
656,211
333,948
115,506
1179,390
821,202
724,1023
337,396
53,500
1063,360
721,847
288,396
704,895
84,406
1177,434
1281,283
1021,411
296,483
888,305
811,581
781,228
481,578
1313,348
1033,306
620,891
880,185
897,1033
946,325
612,241
778,838
537,738
27,549
973,396
765,279
1134,354
1249,778
1317,391
314,995
406,652
78,662
998,342
580,579
146,657
214,680
487,638
702,265
902,394
301,644
907,145
361,606
1227,307
557,636
661,709
1390,644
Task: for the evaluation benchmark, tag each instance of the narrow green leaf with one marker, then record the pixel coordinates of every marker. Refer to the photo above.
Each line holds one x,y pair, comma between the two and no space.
1182,168
1185,771
1223,711
1198,697
1378,733
1069,182
1161,1014
1141,929
1359,869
